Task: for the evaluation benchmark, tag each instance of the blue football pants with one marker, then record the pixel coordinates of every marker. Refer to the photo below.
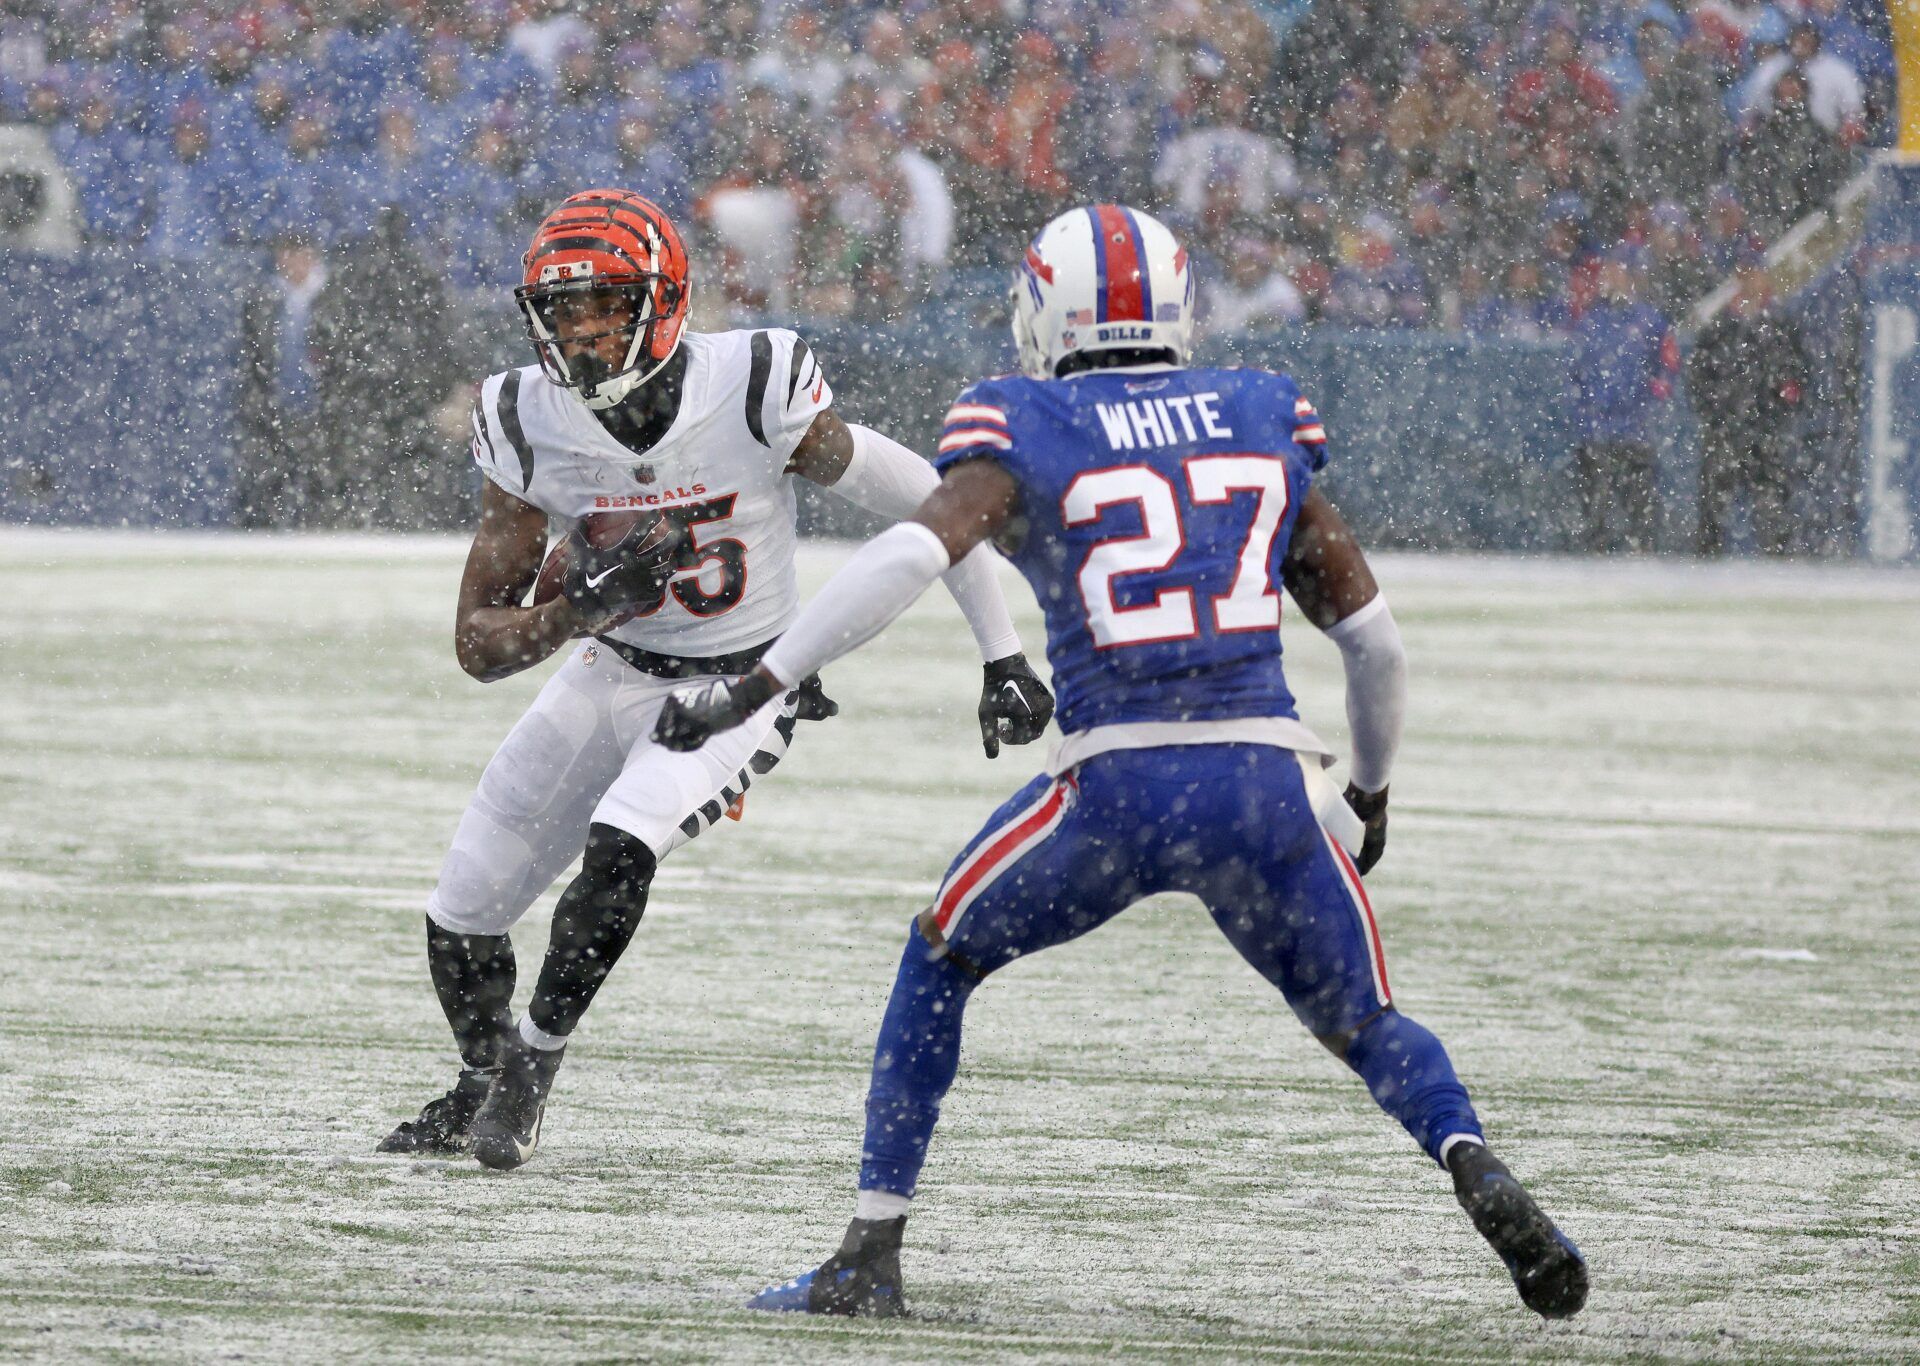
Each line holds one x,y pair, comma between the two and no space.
1231,824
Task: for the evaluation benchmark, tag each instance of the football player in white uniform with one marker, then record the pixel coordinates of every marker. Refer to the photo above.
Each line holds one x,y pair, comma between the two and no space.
628,410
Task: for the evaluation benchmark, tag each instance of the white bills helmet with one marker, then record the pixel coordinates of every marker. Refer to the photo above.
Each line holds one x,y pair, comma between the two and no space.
1101,278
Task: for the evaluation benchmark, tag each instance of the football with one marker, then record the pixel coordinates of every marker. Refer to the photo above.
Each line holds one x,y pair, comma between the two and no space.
639,531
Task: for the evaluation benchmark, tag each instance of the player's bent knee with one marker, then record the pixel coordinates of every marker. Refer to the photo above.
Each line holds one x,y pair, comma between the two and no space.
486,881
929,927
1337,1044
486,919
617,863
1340,1042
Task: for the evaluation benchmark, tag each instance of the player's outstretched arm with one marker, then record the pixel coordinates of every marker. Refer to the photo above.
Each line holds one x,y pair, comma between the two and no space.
493,636
1328,576
883,579
875,472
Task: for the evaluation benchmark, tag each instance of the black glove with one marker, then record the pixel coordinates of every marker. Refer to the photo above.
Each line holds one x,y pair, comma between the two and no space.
1370,807
1015,705
810,700
623,580
696,713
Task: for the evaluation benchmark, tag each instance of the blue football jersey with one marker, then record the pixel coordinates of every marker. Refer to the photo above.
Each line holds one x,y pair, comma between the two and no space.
1157,508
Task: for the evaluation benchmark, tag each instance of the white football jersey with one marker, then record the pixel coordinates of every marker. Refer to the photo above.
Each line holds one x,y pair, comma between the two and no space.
746,399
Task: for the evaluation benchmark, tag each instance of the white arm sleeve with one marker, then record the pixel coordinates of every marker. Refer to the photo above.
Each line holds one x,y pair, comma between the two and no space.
887,478
879,583
1376,668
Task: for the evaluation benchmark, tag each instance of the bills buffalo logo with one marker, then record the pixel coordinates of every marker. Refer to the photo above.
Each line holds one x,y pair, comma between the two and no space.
1034,272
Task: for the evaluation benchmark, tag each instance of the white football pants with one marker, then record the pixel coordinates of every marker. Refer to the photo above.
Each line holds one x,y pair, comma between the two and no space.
582,754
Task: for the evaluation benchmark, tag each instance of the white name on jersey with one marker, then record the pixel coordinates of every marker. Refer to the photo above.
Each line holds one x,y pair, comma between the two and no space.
1144,423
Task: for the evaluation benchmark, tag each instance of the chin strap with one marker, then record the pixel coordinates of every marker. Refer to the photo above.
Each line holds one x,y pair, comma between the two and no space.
609,393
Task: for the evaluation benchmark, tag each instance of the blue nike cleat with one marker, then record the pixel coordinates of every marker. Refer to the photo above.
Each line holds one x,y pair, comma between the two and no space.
1546,1267
861,1280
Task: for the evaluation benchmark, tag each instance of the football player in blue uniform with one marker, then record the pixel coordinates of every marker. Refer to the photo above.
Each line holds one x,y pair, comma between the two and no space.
1154,509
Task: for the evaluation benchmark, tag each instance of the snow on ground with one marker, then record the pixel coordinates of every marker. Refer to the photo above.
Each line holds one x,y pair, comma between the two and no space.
1655,834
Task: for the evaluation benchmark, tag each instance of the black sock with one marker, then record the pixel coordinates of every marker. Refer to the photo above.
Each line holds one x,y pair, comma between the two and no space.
474,975
592,926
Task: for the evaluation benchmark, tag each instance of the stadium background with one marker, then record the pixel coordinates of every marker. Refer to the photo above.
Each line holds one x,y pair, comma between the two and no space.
1651,870
1410,205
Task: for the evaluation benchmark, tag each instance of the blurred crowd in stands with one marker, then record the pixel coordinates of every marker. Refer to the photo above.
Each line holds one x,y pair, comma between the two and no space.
1460,164
1505,168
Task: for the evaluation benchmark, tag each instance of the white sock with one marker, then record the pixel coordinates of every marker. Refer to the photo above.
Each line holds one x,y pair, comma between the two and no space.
881,1205
533,1036
1446,1144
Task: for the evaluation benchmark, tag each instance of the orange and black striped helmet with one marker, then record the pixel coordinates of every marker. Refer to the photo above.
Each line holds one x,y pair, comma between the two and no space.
606,240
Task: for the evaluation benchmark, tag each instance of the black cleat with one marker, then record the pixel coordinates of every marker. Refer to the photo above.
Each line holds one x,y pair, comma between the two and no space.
861,1280
506,1129
441,1130
1547,1268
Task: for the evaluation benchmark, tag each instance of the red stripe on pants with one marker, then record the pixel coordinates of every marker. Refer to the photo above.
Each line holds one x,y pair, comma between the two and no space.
996,853
1366,907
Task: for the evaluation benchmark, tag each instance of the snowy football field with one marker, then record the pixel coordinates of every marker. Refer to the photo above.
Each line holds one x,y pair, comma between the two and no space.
1655,839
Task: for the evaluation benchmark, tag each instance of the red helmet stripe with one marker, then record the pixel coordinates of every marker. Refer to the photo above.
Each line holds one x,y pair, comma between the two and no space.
1125,298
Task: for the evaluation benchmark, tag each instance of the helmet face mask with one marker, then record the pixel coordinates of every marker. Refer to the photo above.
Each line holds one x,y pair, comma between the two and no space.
1101,278
569,325
600,248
